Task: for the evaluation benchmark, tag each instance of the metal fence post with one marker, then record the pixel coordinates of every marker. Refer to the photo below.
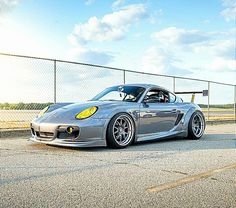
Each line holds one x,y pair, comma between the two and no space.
173,84
124,76
235,103
208,102
55,81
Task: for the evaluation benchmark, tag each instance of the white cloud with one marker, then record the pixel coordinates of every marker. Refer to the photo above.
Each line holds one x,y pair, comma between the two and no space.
158,61
223,64
229,11
173,35
221,48
118,3
213,43
89,2
154,16
206,21
112,26
198,49
155,60
93,56
72,39
6,6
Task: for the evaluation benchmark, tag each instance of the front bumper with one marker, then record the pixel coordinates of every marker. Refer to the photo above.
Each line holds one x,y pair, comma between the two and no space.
84,133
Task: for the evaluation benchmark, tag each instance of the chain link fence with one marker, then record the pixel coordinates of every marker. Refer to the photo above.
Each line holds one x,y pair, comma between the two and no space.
28,84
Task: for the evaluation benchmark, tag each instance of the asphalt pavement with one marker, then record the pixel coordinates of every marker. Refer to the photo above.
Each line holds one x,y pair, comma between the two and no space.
170,173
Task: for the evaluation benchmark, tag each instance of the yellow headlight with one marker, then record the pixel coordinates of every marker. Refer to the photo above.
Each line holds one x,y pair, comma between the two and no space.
86,113
43,111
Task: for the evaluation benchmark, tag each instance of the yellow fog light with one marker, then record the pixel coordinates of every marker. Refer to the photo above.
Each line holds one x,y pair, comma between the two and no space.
70,130
86,113
42,112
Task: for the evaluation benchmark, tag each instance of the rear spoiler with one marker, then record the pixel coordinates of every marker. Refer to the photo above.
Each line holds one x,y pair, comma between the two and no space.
204,93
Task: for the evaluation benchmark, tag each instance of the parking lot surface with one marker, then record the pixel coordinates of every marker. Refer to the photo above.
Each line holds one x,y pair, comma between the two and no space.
169,173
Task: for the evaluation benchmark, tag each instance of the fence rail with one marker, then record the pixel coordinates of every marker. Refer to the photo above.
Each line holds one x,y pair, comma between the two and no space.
44,80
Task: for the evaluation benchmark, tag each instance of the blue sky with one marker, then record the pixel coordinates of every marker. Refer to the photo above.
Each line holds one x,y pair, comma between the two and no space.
194,38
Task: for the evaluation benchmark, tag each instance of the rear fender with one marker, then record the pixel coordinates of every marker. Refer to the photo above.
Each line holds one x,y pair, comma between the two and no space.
188,115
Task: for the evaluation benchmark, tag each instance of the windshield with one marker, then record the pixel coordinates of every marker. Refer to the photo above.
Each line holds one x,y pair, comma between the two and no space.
121,93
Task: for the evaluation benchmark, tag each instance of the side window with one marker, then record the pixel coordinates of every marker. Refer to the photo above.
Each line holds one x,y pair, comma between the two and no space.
172,98
157,96
152,96
164,96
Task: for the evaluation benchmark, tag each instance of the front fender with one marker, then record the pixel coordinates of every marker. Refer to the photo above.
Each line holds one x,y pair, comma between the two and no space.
109,114
56,106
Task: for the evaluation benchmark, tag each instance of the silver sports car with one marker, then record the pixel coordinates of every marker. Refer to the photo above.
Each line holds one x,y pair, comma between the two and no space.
119,116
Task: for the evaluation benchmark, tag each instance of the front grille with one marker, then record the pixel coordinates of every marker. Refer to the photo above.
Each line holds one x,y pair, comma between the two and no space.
66,136
64,132
45,135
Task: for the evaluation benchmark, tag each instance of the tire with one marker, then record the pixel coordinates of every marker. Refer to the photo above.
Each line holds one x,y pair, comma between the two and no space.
120,131
196,125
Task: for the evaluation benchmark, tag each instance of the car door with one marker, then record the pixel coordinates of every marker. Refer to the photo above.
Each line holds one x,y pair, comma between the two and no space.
157,114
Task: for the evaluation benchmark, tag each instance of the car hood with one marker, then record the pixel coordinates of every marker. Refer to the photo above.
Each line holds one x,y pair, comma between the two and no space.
71,110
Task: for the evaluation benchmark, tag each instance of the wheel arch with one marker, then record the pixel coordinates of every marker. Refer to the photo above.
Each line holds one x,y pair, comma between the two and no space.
189,123
121,112
192,108
189,113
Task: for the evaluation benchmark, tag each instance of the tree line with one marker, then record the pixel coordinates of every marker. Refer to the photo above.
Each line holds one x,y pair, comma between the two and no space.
23,106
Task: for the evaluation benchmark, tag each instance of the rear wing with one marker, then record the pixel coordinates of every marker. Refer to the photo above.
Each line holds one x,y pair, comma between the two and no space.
204,93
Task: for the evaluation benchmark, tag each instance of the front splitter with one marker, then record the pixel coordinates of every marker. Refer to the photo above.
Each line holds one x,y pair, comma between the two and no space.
59,142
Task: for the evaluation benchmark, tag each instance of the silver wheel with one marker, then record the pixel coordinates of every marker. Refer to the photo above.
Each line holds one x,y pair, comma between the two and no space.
123,130
198,125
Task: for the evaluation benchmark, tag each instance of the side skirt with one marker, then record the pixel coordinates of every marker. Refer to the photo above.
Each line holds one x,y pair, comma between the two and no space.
160,135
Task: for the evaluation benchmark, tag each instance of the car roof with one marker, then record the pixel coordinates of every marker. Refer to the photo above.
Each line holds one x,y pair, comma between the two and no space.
147,86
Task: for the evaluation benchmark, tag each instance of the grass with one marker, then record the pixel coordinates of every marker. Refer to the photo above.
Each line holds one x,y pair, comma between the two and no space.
14,125
221,118
218,109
